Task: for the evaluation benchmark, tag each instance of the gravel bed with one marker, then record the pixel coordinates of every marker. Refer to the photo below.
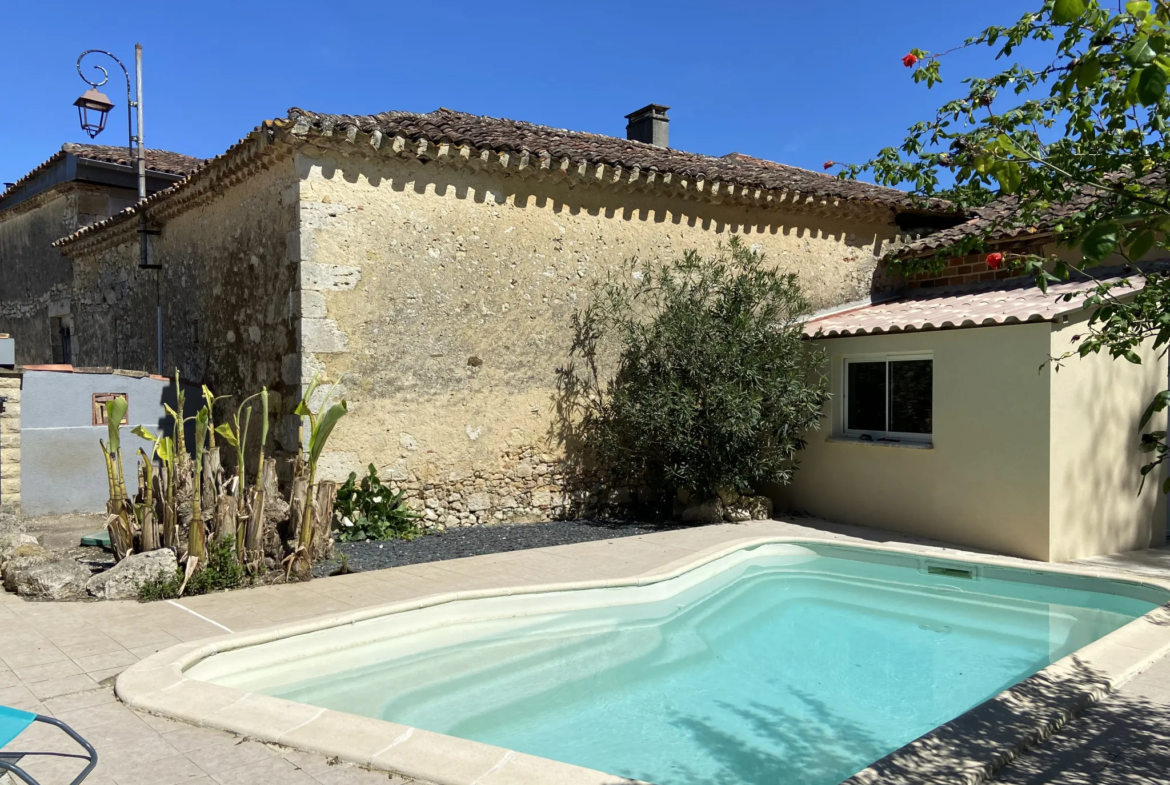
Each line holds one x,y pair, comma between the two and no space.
480,540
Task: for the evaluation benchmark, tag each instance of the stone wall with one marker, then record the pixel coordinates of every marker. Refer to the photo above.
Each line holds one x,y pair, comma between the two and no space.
226,291
36,280
34,277
10,442
442,299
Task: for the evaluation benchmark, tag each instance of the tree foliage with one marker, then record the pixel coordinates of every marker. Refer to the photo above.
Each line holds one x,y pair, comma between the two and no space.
1082,138
714,386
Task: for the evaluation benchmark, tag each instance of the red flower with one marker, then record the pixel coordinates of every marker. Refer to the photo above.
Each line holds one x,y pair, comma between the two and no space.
909,60
994,260
829,164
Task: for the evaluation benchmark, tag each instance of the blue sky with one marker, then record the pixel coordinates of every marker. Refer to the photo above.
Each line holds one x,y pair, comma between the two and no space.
796,82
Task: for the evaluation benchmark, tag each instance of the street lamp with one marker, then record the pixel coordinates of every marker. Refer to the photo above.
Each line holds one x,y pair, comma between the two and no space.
92,109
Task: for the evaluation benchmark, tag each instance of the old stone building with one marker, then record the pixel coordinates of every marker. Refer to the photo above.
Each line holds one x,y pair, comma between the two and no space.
430,265
80,184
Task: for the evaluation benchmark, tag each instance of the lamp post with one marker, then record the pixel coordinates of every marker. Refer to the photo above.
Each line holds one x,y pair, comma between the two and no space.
92,109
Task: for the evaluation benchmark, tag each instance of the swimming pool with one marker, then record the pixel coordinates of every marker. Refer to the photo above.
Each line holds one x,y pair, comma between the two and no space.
796,663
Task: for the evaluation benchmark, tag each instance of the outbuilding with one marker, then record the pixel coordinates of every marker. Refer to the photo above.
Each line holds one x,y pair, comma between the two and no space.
953,417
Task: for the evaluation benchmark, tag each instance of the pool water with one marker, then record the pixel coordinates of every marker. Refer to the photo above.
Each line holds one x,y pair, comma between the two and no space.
800,667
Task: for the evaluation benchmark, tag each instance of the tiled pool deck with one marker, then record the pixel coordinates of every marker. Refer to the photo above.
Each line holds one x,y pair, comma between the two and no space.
60,659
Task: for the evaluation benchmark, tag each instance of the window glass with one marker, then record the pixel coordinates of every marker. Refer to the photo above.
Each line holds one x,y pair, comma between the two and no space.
866,396
911,395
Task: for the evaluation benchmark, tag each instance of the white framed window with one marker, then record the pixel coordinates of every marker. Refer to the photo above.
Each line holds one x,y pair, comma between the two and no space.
888,397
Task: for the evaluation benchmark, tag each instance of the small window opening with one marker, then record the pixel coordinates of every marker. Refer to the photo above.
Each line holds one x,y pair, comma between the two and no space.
890,398
61,335
99,407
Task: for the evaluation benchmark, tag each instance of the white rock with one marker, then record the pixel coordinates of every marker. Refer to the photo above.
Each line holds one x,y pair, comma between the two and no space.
63,579
124,579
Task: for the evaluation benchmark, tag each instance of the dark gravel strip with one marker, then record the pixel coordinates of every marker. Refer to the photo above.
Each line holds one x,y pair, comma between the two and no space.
480,540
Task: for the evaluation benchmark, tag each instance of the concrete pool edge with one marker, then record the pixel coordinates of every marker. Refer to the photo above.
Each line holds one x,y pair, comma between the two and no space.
966,749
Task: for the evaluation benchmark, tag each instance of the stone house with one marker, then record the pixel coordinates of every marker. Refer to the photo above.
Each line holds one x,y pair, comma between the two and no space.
430,265
78,185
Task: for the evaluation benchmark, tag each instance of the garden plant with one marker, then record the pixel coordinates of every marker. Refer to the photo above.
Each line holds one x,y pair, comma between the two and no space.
222,526
713,386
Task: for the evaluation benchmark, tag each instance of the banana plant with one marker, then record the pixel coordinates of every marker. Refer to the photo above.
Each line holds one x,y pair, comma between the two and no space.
196,537
321,425
162,447
235,434
118,522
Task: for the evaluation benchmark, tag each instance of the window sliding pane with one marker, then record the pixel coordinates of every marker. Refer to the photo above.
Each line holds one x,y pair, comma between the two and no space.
867,396
911,396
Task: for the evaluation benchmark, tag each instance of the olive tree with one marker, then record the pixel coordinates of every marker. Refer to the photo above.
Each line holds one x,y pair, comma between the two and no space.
712,387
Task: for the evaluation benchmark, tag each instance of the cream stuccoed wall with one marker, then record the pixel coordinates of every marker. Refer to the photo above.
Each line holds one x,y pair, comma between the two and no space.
984,482
442,299
1097,404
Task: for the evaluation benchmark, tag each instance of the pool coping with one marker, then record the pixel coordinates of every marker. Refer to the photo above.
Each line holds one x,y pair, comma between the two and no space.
966,750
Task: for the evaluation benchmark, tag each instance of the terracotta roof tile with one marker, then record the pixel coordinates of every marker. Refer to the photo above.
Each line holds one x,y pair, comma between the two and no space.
156,160
460,128
978,305
997,222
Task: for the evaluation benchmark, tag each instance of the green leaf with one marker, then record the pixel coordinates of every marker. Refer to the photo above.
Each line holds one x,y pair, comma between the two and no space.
141,432
1100,241
1007,145
229,436
1140,243
1132,357
1087,73
1151,82
165,449
1065,11
1160,402
324,428
1138,8
1140,52
1008,177
1166,485
263,417
115,412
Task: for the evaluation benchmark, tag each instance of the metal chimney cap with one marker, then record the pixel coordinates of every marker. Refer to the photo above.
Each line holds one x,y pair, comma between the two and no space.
648,109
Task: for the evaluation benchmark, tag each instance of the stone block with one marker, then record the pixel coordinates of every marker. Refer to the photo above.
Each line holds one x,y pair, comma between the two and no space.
124,580
478,502
329,277
323,336
312,305
60,579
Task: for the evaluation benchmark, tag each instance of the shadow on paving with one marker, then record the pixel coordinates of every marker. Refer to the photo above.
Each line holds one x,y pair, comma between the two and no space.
1117,741
1122,740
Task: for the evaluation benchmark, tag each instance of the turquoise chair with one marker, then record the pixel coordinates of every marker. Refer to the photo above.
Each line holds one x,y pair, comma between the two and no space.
14,722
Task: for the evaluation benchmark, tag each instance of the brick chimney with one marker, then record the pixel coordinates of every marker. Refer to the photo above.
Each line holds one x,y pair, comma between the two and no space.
650,125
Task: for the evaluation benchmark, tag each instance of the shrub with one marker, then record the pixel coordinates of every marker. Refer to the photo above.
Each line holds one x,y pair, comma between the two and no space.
368,510
714,386
223,571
